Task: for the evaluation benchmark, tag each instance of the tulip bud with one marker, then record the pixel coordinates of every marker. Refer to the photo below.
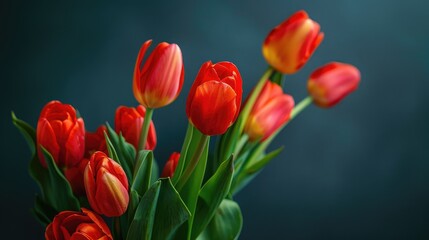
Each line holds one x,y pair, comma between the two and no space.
129,121
95,141
214,100
106,185
288,46
329,84
62,133
74,176
159,81
77,225
271,110
170,165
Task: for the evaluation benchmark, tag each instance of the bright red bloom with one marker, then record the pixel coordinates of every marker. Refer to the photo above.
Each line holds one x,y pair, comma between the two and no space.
78,225
74,176
95,141
289,45
62,133
271,110
106,185
214,100
170,165
329,84
129,121
159,81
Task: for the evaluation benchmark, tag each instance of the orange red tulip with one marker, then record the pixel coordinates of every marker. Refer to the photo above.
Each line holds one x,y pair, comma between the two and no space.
159,81
329,84
289,46
106,185
62,133
214,100
271,110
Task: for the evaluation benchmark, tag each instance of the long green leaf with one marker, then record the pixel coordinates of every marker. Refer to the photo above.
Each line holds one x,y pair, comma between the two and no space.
60,194
226,224
211,195
142,172
144,217
27,131
160,213
183,154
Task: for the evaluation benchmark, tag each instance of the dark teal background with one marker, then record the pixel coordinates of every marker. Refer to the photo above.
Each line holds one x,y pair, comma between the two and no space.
357,171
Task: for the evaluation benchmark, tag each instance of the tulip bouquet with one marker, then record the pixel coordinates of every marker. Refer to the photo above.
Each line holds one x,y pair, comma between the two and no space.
105,184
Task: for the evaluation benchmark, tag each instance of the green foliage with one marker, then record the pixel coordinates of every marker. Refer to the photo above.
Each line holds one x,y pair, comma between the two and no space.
226,223
159,214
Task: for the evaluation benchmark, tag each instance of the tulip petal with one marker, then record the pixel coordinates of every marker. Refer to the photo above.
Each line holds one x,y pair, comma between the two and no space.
213,107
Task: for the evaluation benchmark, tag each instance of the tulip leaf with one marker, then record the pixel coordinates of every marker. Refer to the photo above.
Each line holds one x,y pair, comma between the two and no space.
60,195
124,155
255,167
43,212
142,172
111,149
132,206
226,223
27,131
183,154
211,195
169,204
190,190
144,217
161,204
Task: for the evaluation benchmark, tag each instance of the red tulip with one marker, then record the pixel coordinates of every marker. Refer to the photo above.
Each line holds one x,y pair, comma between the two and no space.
95,141
129,121
288,46
171,165
329,84
74,176
214,100
106,185
271,110
77,225
62,133
159,81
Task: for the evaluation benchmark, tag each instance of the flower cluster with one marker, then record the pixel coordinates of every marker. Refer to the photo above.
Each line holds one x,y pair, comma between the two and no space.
86,178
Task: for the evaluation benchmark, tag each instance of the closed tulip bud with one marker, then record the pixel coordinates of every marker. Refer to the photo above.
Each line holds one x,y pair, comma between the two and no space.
288,46
214,100
159,81
170,165
106,185
329,84
77,225
129,122
95,141
271,110
74,176
62,133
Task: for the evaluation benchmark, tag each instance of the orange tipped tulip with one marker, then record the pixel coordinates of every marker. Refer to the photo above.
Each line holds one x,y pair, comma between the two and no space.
129,121
329,84
170,165
106,185
214,100
77,225
158,82
288,46
271,110
62,133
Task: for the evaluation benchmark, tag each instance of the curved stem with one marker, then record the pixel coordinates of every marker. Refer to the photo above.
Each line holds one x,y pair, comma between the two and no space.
145,129
300,107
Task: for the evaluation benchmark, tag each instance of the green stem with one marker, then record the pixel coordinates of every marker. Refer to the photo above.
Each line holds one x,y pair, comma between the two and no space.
193,162
145,129
300,107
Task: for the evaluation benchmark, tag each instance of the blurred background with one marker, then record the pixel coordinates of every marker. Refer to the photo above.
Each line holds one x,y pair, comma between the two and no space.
357,171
